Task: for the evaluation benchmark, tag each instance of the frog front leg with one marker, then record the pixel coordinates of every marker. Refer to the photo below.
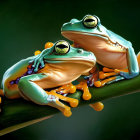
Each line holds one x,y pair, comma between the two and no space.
35,93
133,66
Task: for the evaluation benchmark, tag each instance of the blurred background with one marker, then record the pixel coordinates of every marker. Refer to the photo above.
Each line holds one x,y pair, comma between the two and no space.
26,25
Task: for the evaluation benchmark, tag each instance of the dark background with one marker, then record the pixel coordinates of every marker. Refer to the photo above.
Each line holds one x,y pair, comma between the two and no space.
25,26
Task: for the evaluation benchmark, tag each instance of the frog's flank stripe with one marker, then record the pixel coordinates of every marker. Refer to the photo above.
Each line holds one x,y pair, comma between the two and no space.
30,70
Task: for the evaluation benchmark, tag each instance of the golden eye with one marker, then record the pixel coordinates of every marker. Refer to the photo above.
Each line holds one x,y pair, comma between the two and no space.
62,47
90,21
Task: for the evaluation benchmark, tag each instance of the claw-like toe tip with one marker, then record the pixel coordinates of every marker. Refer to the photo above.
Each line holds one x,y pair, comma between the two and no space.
99,106
74,103
86,96
97,84
67,112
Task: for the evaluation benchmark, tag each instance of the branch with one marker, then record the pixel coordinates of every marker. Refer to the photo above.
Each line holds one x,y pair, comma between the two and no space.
19,113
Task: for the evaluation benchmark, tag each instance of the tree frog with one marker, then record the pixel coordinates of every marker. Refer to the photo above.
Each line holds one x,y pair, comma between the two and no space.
110,49
63,64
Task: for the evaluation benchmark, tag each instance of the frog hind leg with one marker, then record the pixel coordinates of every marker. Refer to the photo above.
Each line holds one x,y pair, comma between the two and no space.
31,91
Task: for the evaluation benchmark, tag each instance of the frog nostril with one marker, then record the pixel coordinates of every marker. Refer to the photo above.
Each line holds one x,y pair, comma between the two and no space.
73,21
80,51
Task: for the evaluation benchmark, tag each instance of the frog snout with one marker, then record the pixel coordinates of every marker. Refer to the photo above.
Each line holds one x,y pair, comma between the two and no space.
74,21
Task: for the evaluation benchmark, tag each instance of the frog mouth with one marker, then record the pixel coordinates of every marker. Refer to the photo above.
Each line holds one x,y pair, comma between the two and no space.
86,60
114,46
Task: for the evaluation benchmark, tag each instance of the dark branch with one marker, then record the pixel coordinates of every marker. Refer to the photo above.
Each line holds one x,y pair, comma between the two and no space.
20,113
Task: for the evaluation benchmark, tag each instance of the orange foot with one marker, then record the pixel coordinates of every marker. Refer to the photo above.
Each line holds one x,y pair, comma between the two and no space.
83,86
97,106
69,88
107,72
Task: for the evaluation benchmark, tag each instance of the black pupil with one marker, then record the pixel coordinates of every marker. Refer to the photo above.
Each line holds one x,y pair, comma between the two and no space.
89,20
61,46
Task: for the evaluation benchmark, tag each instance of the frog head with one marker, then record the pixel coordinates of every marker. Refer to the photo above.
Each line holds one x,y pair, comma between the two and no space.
67,58
90,34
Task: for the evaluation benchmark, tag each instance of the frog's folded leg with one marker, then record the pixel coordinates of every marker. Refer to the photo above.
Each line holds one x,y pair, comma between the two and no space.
113,74
30,90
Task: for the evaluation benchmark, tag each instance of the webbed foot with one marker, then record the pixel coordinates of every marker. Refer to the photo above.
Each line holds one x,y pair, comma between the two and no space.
104,82
55,95
53,99
84,87
108,76
70,88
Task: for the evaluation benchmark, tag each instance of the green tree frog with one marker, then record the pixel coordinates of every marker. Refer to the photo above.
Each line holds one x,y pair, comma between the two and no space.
62,65
110,49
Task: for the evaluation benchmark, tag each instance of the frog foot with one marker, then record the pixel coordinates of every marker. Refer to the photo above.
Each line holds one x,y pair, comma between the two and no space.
124,73
108,76
70,88
55,102
47,45
83,86
64,109
71,101
99,106
108,81
103,82
107,72
105,69
103,75
65,89
67,112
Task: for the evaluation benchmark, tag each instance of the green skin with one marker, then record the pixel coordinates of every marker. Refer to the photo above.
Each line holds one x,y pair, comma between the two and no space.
92,37
31,87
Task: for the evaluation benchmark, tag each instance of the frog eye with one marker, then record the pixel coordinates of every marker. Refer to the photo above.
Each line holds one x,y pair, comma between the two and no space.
90,21
62,47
